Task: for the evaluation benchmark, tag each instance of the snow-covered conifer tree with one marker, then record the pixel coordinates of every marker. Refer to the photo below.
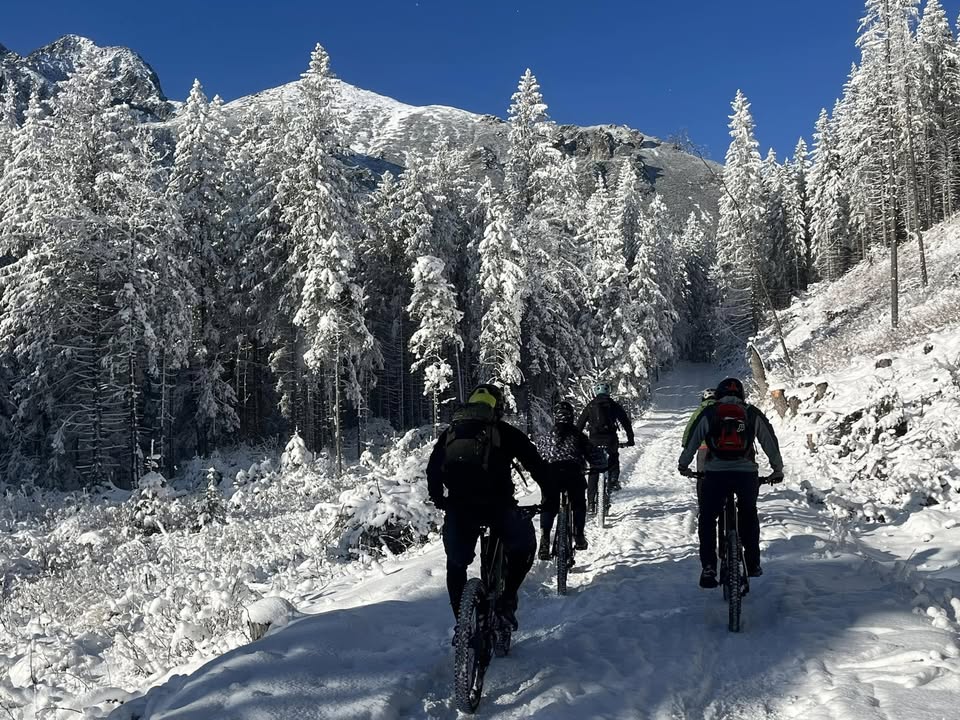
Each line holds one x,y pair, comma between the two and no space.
197,186
319,210
829,213
500,286
740,232
797,208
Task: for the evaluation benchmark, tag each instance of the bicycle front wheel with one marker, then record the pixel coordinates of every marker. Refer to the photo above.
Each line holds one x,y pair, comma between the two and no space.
471,647
563,550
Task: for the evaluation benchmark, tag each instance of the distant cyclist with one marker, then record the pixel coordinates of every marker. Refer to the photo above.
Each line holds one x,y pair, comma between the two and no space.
603,415
566,450
729,427
472,459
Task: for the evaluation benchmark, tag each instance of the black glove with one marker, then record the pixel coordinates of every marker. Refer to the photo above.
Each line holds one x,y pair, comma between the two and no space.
775,477
683,470
439,502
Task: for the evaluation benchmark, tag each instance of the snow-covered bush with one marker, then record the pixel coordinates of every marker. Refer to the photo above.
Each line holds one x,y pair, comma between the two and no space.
387,512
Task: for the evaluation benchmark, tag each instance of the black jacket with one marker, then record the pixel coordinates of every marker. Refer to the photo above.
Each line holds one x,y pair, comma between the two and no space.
485,488
605,406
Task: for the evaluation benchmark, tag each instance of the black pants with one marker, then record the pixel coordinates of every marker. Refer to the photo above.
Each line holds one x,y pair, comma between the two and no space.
612,447
712,492
567,477
461,530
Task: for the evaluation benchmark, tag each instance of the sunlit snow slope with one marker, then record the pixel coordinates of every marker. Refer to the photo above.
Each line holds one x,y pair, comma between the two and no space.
825,634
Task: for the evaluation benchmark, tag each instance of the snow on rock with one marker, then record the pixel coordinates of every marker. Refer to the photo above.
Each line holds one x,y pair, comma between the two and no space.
273,611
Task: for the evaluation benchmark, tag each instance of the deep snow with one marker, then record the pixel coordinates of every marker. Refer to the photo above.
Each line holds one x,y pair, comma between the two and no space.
828,632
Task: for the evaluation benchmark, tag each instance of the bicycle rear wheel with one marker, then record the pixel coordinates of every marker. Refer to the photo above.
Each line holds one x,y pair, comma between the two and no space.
563,549
732,587
472,647
602,500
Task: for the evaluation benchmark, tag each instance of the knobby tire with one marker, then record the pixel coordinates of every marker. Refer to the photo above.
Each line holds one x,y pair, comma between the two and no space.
733,586
602,500
563,550
472,650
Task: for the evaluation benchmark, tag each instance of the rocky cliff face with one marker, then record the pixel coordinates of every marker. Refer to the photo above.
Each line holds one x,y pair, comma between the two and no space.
134,81
382,131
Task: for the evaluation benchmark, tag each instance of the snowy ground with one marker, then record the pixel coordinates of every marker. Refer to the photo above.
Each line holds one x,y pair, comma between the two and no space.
828,631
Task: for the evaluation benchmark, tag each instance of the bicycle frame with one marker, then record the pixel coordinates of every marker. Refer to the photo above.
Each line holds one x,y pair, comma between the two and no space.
491,564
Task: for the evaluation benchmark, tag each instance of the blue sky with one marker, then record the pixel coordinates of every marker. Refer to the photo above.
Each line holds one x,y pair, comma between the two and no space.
656,66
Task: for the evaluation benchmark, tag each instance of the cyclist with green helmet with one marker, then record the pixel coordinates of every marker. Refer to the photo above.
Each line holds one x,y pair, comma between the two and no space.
604,415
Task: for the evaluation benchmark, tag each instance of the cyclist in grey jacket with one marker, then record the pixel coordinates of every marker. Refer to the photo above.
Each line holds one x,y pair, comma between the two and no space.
729,429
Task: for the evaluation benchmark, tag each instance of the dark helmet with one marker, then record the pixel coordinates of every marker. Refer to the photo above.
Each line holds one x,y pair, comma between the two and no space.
601,388
730,386
708,394
563,413
489,394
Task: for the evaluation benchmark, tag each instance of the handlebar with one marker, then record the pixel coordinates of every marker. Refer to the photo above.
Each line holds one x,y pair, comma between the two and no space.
764,480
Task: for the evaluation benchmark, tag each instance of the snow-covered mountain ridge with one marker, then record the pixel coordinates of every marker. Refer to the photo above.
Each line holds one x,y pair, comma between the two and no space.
385,130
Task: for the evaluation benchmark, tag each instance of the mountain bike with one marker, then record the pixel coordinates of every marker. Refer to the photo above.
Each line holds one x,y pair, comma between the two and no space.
481,632
563,547
603,489
733,568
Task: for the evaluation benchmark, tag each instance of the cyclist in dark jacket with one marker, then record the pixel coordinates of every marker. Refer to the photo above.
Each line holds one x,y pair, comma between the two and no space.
478,496
566,451
737,472
603,414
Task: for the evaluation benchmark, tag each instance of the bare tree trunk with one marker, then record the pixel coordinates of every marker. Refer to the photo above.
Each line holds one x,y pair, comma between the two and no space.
338,437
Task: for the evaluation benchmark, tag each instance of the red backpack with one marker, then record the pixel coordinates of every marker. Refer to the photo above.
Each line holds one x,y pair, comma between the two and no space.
731,432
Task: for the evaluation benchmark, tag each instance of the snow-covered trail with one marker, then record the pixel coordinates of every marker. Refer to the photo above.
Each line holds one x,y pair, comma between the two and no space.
825,635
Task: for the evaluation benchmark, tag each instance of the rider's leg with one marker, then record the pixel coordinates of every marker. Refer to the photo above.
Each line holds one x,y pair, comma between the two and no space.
549,504
577,489
460,533
747,489
519,545
712,494
613,459
592,488
549,507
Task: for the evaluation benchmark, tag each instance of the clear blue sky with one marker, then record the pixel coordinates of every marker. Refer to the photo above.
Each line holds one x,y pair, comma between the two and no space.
656,66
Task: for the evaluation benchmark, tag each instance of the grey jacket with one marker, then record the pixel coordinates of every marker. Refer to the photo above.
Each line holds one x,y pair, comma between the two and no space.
762,430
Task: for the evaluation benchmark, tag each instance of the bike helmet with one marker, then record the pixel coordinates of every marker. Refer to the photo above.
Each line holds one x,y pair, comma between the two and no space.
489,394
730,386
601,388
563,413
708,394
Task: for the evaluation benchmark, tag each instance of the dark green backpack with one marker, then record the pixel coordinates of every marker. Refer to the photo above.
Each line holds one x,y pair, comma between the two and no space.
471,437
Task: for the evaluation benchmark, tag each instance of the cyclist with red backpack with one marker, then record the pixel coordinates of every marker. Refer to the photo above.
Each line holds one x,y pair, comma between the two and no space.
603,414
729,427
472,459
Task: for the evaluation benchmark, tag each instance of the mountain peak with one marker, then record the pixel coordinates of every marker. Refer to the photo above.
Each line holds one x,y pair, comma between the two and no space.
135,82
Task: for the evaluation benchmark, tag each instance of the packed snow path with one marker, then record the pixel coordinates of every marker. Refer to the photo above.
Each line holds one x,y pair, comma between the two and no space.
825,634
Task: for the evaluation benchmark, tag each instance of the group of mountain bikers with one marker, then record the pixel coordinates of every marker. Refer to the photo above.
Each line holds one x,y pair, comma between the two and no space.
469,477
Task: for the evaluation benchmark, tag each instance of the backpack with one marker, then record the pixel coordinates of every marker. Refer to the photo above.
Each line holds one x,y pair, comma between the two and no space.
561,445
601,418
731,432
471,437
